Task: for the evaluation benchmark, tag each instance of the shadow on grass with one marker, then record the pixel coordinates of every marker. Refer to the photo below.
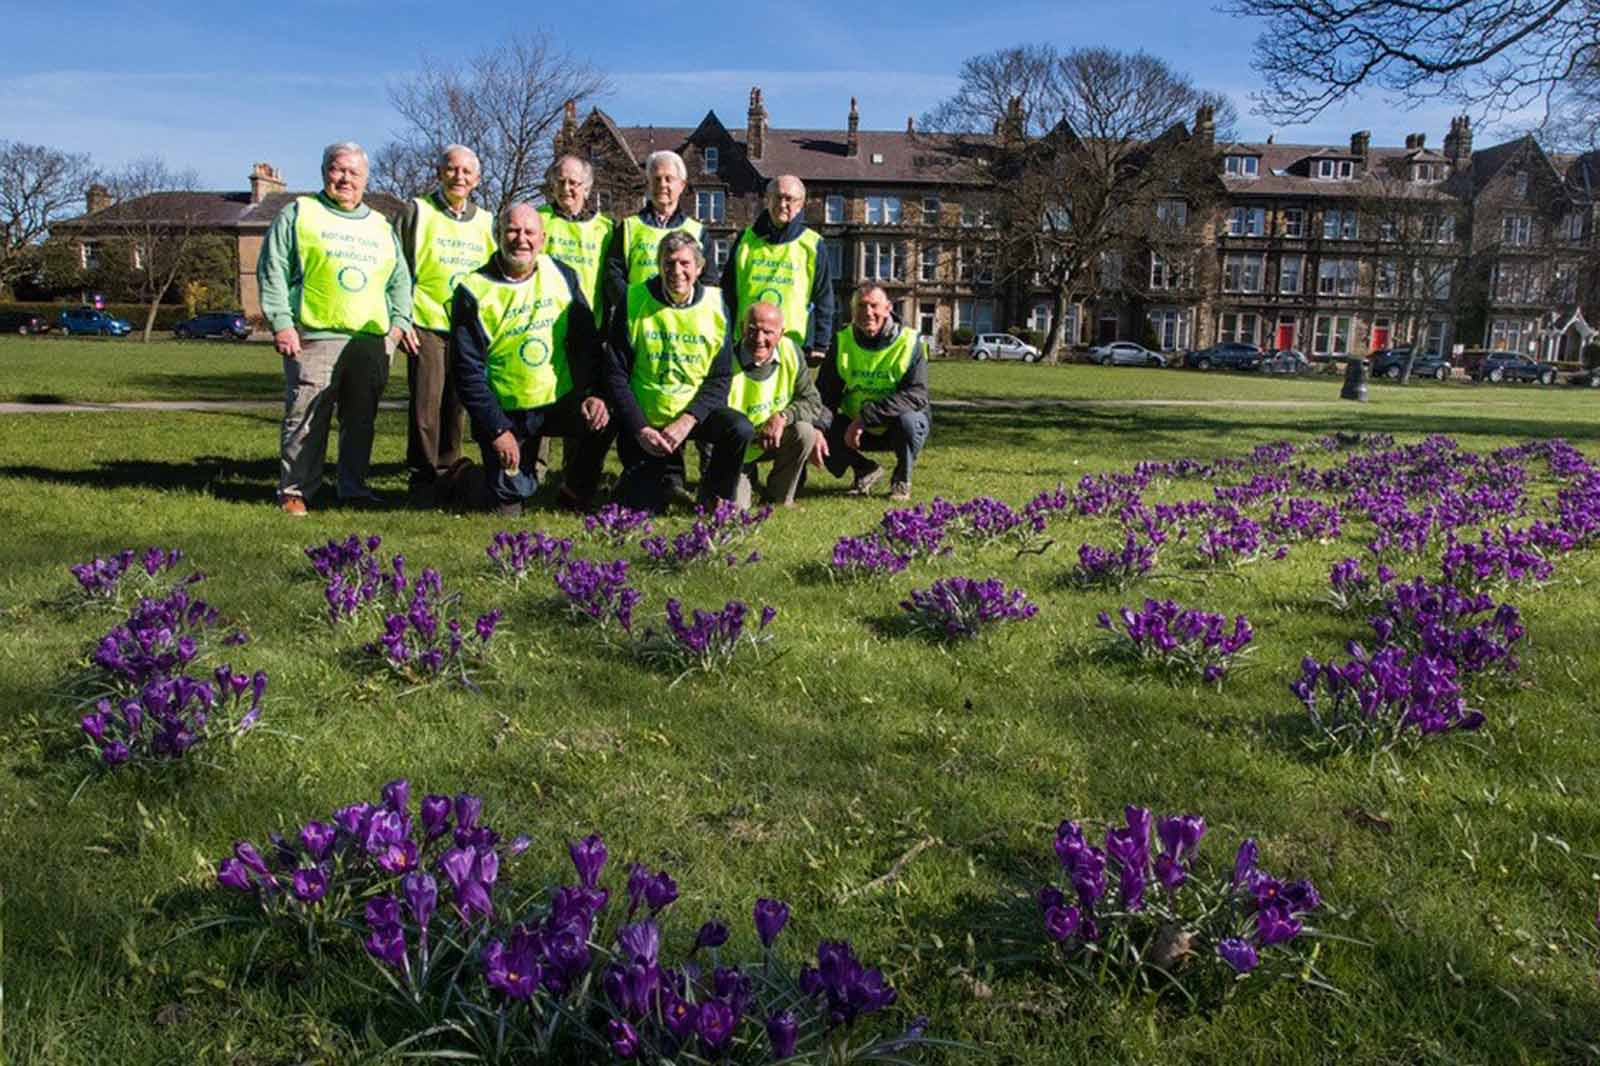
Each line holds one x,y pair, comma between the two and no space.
239,385
220,477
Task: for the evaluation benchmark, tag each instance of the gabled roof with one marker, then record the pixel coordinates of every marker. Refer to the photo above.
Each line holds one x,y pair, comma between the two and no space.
209,210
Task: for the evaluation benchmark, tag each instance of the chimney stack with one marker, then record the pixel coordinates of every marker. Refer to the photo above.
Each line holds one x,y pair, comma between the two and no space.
755,131
1205,126
567,135
1013,127
1458,142
911,125
264,181
1360,141
852,142
97,198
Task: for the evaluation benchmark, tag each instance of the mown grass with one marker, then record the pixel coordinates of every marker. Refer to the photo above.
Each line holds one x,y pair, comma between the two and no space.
1466,869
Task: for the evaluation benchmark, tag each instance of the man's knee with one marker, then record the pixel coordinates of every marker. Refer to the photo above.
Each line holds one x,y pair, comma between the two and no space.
913,425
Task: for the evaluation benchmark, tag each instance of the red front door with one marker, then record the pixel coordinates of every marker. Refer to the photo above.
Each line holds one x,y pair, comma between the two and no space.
1285,335
1380,338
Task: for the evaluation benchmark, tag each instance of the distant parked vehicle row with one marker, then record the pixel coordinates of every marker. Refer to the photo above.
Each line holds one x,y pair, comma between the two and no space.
1284,361
80,321
1229,355
1391,363
23,323
224,324
987,346
1495,367
1125,353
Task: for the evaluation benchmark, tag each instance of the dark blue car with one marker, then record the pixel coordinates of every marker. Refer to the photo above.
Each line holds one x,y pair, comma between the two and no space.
1230,355
86,320
229,325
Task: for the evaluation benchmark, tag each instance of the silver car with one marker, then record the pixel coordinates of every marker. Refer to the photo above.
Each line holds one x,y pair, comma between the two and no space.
1125,353
1003,346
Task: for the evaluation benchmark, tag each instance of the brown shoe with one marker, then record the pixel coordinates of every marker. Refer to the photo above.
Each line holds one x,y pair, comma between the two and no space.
862,486
900,491
293,506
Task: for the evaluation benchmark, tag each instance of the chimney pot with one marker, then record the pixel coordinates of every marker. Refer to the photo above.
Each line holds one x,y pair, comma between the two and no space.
97,198
264,181
852,143
756,126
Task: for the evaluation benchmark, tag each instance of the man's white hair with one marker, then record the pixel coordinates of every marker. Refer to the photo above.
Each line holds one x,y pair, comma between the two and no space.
504,217
772,186
554,170
452,149
673,160
339,148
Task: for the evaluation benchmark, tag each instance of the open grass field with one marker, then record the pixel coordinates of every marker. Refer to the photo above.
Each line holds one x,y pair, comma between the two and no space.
1463,872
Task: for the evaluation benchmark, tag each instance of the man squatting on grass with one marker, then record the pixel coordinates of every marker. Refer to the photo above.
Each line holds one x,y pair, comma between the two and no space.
445,237
528,361
772,387
671,366
336,291
875,383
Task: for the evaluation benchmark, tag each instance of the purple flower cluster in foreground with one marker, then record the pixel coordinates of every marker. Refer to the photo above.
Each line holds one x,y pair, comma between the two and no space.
1383,698
101,579
158,640
865,556
1504,557
707,641
1115,568
598,592
1304,518
919,531
986,520
515,554
1195,641
1472,631
1351,588
617,524
956,608
1166,922
340,555
425,642
172,715
362,583
1230,539
711,538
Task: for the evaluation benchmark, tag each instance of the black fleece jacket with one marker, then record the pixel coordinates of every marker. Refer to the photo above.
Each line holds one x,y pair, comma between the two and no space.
819,327
712,393
910,395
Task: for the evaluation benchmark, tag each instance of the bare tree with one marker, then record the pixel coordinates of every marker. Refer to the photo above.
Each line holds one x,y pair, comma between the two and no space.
505,103
1496,56
1078,149
38,186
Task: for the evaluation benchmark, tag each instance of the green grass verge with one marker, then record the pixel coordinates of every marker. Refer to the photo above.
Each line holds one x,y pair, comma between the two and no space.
1467,869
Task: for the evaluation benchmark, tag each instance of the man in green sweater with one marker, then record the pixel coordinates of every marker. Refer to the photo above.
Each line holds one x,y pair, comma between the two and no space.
336,291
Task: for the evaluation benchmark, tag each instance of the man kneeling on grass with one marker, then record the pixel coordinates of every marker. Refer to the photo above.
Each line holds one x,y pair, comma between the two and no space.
772,387
527,359
875,381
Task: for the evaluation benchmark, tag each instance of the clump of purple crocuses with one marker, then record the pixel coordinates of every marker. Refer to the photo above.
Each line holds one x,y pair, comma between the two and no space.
598,593
1509,556
1384,698
617,525
338,555
706,641
1472,631
106,581
362,584
1180,638
1350,588
159,639
959,608
1145,912
426,643
171,716
1114,568
865,557
716,536
516,555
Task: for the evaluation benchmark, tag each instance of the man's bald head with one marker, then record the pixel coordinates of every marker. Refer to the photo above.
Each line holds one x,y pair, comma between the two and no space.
763,326
521,237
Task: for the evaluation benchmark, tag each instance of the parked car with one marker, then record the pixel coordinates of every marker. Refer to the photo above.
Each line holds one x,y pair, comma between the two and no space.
23,322
1284,361
1391,363
226,324
79,320
1589,379
1232,355
1125,353
1496,367
1003,346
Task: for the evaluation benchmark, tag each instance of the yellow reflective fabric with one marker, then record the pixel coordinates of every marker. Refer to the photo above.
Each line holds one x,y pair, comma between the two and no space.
345,264
526,323
580,245
673,349
760,400
640,242
780,274
871,375
447,251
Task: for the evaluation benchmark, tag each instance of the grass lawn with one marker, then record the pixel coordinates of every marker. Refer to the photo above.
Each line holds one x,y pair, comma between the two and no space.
1464,871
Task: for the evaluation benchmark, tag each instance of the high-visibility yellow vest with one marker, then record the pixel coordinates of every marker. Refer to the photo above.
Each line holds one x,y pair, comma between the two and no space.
870,374
345,264
759,400
526,323
447,250
780,274
640,242
673,349
580,245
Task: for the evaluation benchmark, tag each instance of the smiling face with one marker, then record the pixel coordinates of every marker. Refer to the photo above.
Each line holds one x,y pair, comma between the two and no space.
345,179
786,199
763,326
569,187
458,176
521,239
872,312
665,188
679,271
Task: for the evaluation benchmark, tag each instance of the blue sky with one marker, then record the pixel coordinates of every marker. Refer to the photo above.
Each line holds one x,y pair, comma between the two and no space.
220,86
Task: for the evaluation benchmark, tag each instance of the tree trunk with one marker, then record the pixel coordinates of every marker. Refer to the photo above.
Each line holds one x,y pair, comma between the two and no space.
150,315
1058,314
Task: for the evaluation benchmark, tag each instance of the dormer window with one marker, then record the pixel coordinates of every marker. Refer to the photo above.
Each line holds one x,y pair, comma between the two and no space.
1522,186
710,158
1241,166
1336,169
877,159
1427,173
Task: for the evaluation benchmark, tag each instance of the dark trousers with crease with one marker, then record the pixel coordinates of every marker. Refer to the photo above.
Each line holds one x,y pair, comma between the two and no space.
563,418
646,477
433,436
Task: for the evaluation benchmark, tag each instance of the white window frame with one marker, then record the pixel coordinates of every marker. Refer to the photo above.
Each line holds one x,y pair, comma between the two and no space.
1294,222
883,210
720,247
711,205
710,158
1171,326
1172,213
1241,166
876,254
931,205
1337,277
833,208
1243,273
1516,230
1340,224
1386,278
928,263
1330,335
1237,327
1299,274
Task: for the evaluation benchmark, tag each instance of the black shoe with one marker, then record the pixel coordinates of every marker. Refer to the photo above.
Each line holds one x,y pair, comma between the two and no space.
508,510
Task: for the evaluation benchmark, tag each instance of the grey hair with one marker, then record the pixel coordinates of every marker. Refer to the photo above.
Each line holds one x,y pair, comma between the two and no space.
772,186
679,239
504,216
451,149
339,148
866,288
672,159
554,169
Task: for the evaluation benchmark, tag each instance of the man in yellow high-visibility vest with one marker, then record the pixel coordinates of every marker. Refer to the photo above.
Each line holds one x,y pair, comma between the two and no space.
528,362
336,291
633,254
671,365
773,388
779,260
445,237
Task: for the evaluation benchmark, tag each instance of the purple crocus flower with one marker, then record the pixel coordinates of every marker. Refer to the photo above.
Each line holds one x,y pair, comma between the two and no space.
771,916
640,943
1238,953
512,969
468,808
317,839
589,857
435,813
712,934
624,1040
1062,922
660,891
715,1023
1244,862
246,853
422,896
1275,926
784,1031
387,944
397,795
231,873
382,910
1170,872
116,753
309,885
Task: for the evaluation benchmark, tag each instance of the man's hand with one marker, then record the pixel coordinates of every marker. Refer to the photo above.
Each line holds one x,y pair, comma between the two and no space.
405,339
852,434
287,342
771,433
677,431
595,414
654,443
506,450
819,450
